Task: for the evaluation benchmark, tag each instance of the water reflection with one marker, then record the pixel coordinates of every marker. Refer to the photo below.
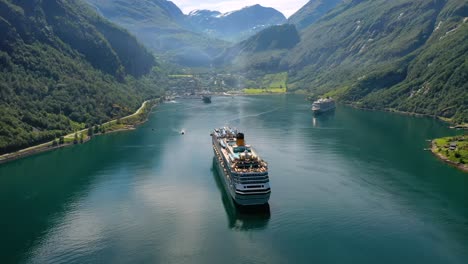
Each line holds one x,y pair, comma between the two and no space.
318,120
241,217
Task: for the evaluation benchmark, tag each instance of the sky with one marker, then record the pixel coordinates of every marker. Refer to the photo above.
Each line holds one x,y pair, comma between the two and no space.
287,7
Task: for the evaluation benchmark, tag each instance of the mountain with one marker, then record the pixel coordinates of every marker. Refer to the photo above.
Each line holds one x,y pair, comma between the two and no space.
63,67
312,11
436,80
189,40
388,55
198,16
159,15
262,51
406,55
160,25
235,25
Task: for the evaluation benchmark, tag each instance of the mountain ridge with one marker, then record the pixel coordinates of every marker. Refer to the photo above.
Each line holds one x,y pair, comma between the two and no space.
235,25
160,25
312,11
375,54
275,41
62,67
189,40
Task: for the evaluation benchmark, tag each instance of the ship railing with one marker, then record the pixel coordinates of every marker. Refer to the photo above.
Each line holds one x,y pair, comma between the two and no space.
245,170
253,182
248,170
263,178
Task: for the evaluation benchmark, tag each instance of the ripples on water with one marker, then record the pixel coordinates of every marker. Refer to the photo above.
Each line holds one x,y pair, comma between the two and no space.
349,186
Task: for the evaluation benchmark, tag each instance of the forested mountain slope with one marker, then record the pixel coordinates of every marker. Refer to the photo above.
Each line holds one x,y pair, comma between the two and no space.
312,11
436,80
263,51
160,25
63,67
189,40
403,55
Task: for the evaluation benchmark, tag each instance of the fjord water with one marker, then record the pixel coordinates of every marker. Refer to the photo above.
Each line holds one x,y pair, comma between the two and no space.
350,186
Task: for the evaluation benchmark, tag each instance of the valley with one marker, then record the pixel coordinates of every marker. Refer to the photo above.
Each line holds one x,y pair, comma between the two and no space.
374,174
374,55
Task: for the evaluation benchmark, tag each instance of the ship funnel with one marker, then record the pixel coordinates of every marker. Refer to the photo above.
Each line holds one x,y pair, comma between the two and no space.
240,139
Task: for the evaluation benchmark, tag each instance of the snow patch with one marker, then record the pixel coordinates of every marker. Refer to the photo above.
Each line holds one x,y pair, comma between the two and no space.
203,12
225,14
194,12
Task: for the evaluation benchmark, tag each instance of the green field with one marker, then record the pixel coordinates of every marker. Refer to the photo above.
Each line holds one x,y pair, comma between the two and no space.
270,83
278,80
264,91
459,154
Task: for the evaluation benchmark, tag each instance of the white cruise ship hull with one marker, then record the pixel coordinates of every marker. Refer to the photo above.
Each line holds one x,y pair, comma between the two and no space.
323,105
322,110
243,198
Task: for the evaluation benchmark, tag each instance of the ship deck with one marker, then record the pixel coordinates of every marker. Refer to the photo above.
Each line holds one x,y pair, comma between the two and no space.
242,164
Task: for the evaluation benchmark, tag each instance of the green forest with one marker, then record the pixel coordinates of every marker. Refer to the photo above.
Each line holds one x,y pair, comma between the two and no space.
63,68
403,55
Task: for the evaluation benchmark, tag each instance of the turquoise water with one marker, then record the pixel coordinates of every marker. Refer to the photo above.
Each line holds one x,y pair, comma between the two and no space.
350,186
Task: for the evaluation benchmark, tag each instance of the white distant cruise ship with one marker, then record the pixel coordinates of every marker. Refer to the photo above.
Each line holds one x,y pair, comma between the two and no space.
323,105
244,173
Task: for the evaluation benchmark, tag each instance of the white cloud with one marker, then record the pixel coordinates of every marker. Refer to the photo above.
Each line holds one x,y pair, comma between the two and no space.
287,7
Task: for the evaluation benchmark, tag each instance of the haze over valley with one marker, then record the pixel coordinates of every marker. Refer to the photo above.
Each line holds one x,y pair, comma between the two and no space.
248,132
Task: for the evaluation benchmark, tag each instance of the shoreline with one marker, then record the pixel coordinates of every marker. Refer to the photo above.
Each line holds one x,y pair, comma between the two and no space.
48,146
433,148
387,110
458,165
453,125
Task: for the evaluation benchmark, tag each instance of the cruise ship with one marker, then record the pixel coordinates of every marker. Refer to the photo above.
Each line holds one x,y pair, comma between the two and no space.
323,105
244,174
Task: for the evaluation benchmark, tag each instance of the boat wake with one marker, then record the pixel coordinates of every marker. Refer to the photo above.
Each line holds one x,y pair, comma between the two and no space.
253,115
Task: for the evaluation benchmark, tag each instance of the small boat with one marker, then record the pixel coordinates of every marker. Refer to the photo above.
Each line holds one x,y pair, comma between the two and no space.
182,132
206,99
